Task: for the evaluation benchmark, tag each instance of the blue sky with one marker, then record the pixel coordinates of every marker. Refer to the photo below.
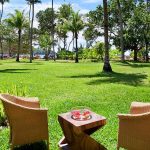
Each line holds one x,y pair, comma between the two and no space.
83,5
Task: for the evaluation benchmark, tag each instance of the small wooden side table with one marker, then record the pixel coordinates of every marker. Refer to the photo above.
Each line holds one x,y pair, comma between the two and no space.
77,133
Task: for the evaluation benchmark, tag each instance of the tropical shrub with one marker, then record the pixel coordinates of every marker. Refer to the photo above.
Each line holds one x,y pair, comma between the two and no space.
115,54
64,54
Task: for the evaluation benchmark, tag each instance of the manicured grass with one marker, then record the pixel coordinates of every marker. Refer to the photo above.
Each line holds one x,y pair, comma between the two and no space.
61,86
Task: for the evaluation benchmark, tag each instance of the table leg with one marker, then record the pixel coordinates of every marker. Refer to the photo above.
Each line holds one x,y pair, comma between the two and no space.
78,139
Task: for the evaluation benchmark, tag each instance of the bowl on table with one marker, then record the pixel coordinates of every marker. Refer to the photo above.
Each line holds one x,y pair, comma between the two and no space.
81,113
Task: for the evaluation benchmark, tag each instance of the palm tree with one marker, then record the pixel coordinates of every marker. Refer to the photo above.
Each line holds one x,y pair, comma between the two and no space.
75,25
147,42
121,30
19,22
29,22
107,66
53,28
1,16
32,3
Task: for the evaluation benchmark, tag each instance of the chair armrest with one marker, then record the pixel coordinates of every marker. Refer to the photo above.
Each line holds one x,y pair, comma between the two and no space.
32,102
139,107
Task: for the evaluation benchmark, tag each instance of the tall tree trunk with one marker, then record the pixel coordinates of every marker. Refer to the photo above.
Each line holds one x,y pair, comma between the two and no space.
1,16
146,40
107,66
53,29
19,45
29,25
31,35
64,43
46,54
65,47
1,37
135,55
9,48
76,55
121,30
70,43
1,46
73,41
146,47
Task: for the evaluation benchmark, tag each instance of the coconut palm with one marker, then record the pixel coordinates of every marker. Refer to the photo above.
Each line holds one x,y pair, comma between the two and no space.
32,4
107,66
75,25
29,22
53,28
19,22
121,30
2,2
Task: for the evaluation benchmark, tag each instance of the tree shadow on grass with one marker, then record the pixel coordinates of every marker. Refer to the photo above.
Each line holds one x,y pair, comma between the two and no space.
120,78
35,146
135,65
16,70
114,77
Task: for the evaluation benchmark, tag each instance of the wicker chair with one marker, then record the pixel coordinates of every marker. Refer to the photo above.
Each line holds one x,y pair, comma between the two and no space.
28,122
134,128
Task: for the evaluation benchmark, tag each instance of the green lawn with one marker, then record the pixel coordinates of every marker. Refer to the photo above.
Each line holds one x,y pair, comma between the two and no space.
61,86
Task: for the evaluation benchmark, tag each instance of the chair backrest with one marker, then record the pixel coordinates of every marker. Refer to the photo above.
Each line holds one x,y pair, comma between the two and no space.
10,98
139,108
10,103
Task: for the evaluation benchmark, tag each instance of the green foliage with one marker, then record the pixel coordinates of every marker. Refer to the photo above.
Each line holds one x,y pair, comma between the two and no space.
136,25
45,20
17,20
99,50
96,52
93,26
63,14
115,54
140,54
75,23
64,54
45,41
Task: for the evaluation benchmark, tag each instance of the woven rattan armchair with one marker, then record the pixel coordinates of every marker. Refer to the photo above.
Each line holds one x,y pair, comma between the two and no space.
28,122
134,128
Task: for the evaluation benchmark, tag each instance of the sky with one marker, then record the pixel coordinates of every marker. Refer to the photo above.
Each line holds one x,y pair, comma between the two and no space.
83,6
